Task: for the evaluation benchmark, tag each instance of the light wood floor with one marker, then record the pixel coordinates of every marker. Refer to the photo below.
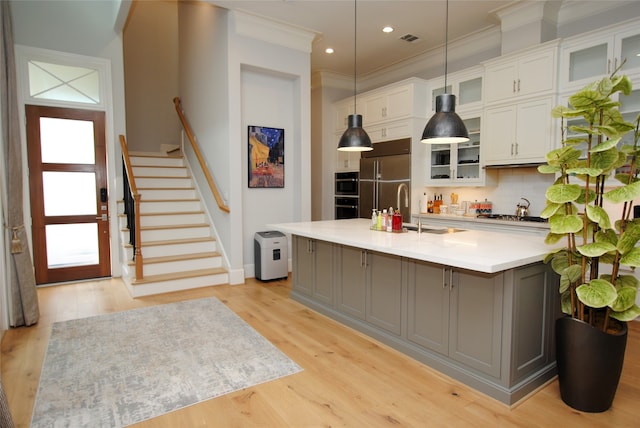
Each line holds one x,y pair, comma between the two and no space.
348,379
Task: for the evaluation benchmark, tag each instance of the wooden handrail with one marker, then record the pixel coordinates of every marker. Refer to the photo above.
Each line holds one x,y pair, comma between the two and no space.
196,150
136,200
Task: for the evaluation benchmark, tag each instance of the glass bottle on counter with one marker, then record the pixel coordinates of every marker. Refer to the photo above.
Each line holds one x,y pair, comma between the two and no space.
383,223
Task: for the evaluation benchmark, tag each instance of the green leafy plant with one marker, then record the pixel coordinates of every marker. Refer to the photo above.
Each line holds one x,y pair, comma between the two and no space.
592,153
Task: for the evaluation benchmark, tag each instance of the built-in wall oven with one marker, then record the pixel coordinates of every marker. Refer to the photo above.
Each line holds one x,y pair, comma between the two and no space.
346,195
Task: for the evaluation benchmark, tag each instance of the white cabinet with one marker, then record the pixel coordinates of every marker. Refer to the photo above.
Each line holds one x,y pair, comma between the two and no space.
465,85
518,133
392,112
457,164
342,110
390,130
520,75
629,107
589,57
402,100
388,105
345,160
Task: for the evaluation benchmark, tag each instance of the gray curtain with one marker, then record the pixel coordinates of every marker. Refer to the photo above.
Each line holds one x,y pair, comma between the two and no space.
23,299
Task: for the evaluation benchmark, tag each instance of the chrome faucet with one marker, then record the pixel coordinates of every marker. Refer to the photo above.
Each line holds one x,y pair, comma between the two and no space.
406,196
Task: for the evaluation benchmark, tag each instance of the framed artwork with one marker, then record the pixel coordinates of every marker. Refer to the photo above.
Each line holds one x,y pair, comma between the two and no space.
265,156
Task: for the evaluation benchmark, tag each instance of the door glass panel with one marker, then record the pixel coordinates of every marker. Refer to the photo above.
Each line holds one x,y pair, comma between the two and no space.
72,244
66,141
69,193
588,62
631,52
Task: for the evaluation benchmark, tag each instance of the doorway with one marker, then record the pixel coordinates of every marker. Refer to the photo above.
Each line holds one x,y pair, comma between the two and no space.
68,187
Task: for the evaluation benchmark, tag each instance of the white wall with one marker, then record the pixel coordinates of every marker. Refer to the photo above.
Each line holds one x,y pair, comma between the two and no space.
219,55
203,90
150,44
81,28
267,100
256,62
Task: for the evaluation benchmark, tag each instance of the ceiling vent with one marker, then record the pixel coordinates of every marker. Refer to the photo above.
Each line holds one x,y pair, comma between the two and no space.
410,38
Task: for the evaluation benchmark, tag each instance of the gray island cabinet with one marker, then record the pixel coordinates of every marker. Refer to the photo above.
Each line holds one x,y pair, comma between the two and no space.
492,329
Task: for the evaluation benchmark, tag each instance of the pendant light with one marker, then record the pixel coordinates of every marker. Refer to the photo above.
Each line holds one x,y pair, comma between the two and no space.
445,126
355,138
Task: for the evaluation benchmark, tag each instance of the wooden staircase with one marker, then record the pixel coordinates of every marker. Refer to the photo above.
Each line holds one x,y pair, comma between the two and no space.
179,250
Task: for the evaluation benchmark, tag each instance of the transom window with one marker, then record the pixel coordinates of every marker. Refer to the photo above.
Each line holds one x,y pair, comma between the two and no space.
63,82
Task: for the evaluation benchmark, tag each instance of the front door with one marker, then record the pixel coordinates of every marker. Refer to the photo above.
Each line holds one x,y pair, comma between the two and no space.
68,186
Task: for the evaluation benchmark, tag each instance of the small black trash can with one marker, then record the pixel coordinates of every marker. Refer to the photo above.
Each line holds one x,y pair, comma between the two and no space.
270,254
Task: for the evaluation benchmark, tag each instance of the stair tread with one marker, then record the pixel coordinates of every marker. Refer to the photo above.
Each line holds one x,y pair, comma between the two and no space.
179,257
169,200
168,177
173,226
166,213
158,166
171,213
177,241
153,155
179,275
167,188
173,242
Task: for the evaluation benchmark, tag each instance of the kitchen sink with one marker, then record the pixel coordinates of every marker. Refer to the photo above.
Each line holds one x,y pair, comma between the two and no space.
426,229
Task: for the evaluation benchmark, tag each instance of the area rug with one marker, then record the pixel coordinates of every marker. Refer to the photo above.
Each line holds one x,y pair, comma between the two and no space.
118,369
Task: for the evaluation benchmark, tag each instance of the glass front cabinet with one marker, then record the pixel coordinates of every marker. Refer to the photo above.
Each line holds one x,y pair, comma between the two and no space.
629,107
457,164
589,57
465,85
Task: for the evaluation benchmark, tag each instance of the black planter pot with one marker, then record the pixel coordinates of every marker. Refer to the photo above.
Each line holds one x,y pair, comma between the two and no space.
589,364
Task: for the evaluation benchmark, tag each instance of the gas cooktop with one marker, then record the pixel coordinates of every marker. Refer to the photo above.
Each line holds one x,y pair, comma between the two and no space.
511,217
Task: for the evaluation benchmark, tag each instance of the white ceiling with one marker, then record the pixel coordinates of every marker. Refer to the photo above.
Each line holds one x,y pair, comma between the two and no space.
333,22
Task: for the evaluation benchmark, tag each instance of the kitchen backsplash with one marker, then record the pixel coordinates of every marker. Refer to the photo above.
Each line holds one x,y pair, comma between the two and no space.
513,184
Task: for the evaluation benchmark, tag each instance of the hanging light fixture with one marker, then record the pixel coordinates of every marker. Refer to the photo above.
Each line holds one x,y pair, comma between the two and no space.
355,138
445,126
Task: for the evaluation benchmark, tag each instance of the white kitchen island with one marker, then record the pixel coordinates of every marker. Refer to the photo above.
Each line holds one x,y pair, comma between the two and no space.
476,305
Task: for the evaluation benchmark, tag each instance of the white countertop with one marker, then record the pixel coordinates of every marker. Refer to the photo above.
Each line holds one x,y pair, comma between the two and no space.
478,250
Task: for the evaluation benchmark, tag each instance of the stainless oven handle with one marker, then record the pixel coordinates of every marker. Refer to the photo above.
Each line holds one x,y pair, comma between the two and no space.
346,206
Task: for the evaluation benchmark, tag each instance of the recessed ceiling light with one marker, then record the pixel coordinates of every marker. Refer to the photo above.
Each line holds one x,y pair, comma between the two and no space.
329,50
387,29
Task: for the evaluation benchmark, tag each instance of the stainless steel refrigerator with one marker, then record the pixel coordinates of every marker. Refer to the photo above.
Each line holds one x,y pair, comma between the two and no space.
385,178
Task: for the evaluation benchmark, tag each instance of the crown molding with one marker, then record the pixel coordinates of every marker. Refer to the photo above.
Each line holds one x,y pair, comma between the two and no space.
332,80
459,49
575,10
275,32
